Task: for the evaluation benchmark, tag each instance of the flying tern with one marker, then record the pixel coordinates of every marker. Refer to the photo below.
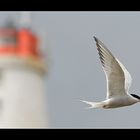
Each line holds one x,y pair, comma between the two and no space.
118,81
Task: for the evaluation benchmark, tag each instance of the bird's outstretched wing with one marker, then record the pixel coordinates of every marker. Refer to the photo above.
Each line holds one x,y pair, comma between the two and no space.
128,78
118,78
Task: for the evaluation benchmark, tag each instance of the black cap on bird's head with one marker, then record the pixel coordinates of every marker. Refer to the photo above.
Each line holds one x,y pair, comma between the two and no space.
135,96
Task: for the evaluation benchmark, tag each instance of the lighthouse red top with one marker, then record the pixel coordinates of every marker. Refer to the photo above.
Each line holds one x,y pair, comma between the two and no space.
22,42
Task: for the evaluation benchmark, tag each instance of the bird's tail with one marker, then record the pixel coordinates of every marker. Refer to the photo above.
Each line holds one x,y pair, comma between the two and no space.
94,104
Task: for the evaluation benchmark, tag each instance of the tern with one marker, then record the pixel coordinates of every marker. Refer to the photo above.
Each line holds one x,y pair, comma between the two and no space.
118,81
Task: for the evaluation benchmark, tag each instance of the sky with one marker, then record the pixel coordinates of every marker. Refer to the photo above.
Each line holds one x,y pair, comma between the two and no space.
74,68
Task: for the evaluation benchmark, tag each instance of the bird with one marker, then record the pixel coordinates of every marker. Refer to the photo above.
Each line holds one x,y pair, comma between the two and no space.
118,81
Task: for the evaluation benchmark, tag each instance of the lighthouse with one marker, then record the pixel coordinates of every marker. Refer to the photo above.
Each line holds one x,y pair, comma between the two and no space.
22,79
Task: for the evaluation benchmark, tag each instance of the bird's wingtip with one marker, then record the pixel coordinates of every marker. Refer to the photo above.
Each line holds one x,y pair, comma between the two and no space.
95,38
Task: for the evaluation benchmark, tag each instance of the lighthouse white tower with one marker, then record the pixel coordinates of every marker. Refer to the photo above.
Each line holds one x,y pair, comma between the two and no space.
22,75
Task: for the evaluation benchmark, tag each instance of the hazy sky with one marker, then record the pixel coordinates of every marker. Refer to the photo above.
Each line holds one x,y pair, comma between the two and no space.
75,71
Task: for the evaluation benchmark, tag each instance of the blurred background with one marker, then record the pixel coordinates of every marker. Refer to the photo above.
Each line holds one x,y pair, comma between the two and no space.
74,71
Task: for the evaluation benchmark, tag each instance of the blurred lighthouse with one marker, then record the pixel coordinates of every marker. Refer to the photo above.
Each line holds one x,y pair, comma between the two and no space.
22,75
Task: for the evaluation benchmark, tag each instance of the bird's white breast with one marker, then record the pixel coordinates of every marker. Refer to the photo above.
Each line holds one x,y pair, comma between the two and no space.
119,101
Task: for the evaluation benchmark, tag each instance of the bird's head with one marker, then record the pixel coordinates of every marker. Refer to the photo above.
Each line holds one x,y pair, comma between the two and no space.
136,96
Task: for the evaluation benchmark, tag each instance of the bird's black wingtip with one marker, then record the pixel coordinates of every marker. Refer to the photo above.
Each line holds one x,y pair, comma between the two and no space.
95,38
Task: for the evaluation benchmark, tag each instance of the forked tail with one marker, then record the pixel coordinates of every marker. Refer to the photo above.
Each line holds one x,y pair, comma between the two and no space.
94,104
